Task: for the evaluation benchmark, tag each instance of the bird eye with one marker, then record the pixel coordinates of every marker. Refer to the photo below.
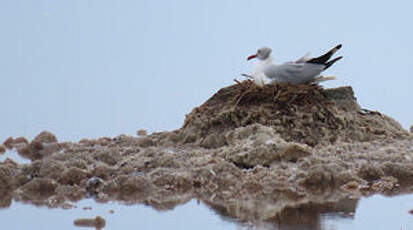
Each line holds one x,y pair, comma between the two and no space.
258,51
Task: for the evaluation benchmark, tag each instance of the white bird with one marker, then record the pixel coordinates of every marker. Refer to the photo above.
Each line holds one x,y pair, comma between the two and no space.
302,71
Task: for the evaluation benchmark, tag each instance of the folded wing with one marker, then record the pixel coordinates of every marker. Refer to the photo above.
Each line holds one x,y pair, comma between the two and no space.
293,72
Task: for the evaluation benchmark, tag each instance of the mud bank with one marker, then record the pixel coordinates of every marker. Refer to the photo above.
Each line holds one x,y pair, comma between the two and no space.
247,152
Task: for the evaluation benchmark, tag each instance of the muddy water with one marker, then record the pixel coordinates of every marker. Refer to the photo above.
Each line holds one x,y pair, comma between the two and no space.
375,212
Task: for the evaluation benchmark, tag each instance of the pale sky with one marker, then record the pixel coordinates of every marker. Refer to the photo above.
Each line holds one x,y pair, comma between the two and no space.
92,68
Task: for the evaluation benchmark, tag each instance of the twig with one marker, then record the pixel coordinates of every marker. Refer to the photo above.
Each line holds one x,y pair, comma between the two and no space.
238,82
247,76
241,97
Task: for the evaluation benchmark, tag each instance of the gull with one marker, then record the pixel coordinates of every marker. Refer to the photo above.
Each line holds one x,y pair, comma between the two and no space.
302,71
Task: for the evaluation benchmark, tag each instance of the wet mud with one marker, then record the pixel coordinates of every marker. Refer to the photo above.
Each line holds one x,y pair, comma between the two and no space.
250,153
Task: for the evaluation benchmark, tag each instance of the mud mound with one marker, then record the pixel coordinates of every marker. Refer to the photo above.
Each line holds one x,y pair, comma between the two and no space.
306,114
269,150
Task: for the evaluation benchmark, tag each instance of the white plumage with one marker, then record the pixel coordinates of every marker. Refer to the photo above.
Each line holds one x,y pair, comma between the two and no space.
302,71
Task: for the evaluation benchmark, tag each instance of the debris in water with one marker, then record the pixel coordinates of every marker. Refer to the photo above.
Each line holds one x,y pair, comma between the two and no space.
98,222
68,206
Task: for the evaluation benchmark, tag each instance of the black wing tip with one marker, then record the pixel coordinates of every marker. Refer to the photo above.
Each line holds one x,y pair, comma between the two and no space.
330,63
323,59
336,48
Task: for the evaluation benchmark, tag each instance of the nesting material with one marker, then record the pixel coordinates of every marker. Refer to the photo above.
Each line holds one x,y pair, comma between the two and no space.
305,114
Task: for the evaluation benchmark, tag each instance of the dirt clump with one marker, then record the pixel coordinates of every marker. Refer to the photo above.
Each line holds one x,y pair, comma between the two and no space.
51,169
6,178
260,145
142,132
18,142
128,188
69,192
42,145
38,189
8,143
97,222
73,176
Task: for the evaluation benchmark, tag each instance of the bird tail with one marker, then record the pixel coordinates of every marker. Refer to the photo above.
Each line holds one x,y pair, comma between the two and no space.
323,59
330,63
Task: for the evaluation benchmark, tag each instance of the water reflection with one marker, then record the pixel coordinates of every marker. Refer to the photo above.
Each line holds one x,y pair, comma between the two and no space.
378,211
284,215
309,216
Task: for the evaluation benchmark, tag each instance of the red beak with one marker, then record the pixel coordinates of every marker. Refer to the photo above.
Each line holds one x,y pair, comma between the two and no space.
251,57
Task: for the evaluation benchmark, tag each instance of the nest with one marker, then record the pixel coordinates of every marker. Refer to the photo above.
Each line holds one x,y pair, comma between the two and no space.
302,113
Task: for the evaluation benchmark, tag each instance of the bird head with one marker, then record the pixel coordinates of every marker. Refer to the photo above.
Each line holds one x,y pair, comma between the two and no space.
262,54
